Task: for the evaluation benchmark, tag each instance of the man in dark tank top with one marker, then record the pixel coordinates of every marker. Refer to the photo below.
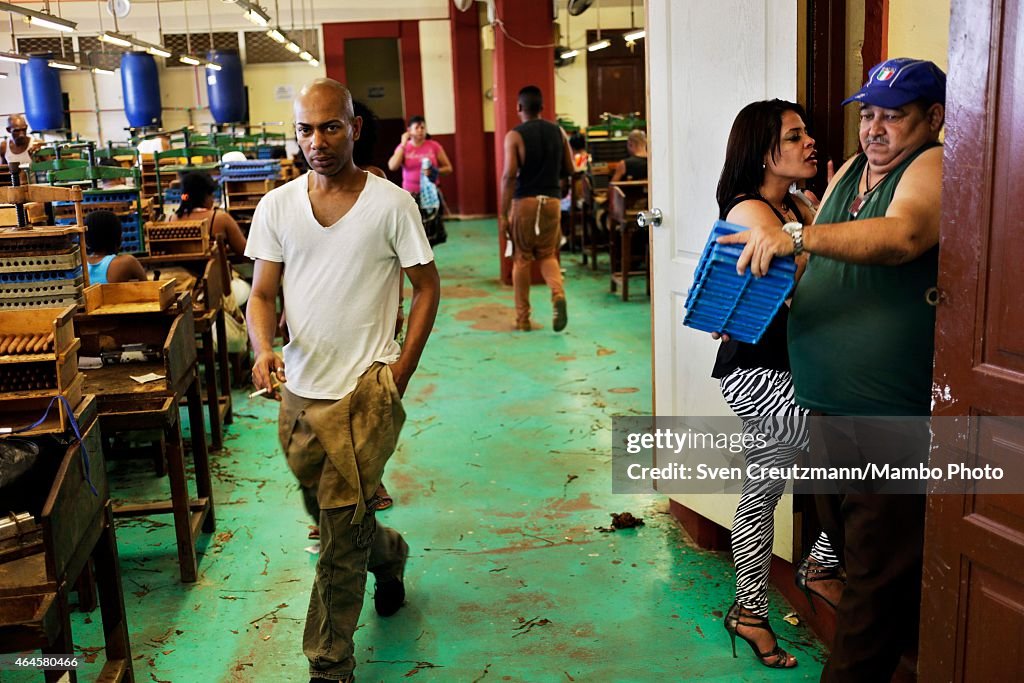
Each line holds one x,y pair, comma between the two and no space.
537,157
861,339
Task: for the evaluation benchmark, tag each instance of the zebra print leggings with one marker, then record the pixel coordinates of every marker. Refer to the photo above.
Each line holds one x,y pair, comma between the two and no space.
756,396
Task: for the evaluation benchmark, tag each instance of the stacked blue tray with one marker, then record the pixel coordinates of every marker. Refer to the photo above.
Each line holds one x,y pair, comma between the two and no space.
741,306
131,226
252,169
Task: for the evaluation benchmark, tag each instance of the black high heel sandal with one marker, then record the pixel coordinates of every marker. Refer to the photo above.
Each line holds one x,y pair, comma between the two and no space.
736,618
809,572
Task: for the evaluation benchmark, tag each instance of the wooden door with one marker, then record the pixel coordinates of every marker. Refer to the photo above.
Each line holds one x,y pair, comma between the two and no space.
972,617
615,78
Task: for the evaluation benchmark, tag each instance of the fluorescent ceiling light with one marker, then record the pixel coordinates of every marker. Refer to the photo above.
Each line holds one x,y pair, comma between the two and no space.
634,36
599,45
13,57
277,36
3,74
188,59
568,54
39,18
292,47
101,70
305,56
257,16
115,39
213,66
67,66
157,51
312,62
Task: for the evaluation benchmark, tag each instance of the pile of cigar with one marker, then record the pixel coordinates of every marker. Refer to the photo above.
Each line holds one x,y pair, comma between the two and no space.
27,377
11,344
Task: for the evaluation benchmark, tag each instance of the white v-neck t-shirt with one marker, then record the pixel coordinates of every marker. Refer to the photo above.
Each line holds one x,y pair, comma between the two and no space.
340,283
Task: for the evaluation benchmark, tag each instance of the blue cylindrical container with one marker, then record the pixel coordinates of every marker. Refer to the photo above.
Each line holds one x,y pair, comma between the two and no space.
40,88
224,88
141,86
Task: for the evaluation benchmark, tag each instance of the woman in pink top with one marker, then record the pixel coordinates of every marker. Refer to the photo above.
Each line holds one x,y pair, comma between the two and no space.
412,150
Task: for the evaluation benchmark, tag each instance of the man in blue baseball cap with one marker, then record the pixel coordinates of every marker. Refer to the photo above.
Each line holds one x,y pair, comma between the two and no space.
861,341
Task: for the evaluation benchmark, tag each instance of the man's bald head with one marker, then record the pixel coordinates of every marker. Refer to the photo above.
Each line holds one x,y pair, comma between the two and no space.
326,93
326,127
17,126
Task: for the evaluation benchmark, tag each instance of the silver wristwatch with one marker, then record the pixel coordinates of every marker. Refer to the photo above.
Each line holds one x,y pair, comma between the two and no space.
796,231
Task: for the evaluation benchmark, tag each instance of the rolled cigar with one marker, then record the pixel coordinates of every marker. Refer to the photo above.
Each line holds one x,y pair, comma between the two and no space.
48,342
38,343
23,340
32,341
5,341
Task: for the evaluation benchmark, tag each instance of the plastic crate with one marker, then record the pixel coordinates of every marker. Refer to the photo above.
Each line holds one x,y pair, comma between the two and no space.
741,306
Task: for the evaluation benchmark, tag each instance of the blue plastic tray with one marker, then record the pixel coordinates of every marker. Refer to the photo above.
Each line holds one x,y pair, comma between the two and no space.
741,306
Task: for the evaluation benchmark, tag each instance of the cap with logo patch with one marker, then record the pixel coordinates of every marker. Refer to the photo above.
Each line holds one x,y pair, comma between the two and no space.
895,82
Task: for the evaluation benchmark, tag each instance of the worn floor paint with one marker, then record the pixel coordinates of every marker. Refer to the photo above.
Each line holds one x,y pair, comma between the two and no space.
502,475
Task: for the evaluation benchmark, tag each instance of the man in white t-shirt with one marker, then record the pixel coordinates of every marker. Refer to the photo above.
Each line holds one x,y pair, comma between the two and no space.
20,145
345,236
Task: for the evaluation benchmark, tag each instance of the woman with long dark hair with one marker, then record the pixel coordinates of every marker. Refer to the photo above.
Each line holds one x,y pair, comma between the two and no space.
197,191
769,150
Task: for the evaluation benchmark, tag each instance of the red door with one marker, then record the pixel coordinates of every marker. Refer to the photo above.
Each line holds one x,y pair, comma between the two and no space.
972,619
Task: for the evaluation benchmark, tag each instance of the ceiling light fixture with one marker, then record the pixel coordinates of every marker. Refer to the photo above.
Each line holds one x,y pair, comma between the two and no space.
57,64
13,57
115,39
314,62
189,59
40,18
598,44
213,66
634,36
305,56
568,54
257,16
276,35
102,70
293,48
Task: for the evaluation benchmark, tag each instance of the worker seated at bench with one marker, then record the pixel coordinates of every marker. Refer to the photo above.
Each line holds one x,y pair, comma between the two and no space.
103,241
633,167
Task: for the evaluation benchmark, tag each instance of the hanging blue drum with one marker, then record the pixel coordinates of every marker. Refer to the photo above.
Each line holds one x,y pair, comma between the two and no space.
224,88
40,89
141,86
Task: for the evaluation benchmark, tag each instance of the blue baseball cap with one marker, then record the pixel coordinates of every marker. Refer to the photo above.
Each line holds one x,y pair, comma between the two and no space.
896,82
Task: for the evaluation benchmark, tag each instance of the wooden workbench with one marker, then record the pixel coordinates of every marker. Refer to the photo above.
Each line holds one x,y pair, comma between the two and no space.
125,406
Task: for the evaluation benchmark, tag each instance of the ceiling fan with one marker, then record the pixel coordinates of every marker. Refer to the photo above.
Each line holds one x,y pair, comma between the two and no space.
578,7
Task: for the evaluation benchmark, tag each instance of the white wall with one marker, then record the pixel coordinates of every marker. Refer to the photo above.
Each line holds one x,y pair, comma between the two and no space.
438,76
571,81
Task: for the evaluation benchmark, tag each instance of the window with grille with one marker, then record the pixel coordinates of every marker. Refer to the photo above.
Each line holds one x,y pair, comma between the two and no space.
200,42
43,44
94,53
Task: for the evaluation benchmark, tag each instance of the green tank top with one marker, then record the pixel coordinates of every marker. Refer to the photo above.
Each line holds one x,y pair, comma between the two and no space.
861,337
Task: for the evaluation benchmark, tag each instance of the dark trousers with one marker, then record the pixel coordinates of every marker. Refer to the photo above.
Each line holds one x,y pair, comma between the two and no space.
879,538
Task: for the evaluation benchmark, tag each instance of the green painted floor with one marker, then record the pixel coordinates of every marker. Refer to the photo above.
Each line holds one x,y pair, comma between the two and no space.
502,475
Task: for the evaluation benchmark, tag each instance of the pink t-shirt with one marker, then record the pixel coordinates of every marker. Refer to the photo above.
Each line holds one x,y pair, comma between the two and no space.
413,163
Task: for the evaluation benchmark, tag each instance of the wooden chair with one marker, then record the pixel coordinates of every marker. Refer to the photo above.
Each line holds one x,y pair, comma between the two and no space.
595,196
625,200
127,406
